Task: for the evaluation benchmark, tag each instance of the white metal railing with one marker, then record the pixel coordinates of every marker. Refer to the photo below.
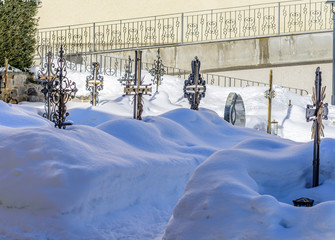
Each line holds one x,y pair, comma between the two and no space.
251,21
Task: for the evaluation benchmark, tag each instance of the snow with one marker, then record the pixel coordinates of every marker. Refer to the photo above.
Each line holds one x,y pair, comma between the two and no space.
112,177
246,192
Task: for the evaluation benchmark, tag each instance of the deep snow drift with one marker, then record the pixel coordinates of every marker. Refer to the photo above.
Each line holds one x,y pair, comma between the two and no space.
118,180
246,192
111,177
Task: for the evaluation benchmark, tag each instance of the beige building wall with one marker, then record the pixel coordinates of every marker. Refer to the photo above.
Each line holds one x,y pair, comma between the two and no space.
68,12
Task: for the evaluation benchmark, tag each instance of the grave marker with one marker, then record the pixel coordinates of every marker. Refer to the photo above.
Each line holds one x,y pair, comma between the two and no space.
137,88
234,110
58,89
94,83
316,113
157,71
269,94
128,78
195,86
46,75
4,80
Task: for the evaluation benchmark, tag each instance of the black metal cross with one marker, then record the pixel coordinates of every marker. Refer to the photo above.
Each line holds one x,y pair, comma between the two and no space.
316,113
62,90
94,83
195,86
157,71
128,78
138,89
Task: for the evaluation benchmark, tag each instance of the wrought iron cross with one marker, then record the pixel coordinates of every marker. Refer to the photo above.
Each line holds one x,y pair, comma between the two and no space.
128,78
138,89
195,86
269,94
157,71
46,75
316,113
94,83
62,91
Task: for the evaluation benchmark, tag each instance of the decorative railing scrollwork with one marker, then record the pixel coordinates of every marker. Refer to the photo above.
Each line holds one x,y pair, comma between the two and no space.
193,27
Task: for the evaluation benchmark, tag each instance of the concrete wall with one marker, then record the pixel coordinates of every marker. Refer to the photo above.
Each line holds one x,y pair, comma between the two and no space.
64,12
293,58
242,54
298,76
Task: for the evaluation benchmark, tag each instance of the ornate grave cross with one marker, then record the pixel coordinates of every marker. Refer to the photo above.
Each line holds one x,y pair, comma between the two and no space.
128,78
269,94
63,90
94,83
137,88
58,90
195,86
157,71
47,75
317,112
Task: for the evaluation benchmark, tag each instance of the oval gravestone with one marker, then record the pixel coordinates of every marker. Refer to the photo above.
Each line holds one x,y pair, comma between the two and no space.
234,110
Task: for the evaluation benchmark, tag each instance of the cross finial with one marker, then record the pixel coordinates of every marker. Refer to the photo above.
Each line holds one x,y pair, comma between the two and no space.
61,52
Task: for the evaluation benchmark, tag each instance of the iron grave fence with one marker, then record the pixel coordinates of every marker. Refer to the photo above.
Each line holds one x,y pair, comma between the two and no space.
273,19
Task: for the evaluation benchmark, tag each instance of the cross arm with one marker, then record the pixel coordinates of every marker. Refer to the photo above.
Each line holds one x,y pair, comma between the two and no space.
95,83
193,88
133,90
312,112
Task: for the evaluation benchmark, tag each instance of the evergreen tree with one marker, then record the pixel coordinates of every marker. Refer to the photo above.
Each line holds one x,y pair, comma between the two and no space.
18,27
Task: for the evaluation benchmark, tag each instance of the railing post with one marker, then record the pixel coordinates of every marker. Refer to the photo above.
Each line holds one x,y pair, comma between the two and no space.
278,18
182,28
93,37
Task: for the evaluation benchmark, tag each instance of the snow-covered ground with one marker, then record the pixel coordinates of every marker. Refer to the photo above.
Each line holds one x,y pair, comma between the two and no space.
111,177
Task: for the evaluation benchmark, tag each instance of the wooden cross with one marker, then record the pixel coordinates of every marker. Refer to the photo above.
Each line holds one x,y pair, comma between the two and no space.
194,87
316,113
46,77
138,89
6,73
3,84
94,83
269,94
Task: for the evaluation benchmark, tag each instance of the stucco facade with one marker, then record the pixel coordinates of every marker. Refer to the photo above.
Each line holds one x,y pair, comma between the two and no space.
68,12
